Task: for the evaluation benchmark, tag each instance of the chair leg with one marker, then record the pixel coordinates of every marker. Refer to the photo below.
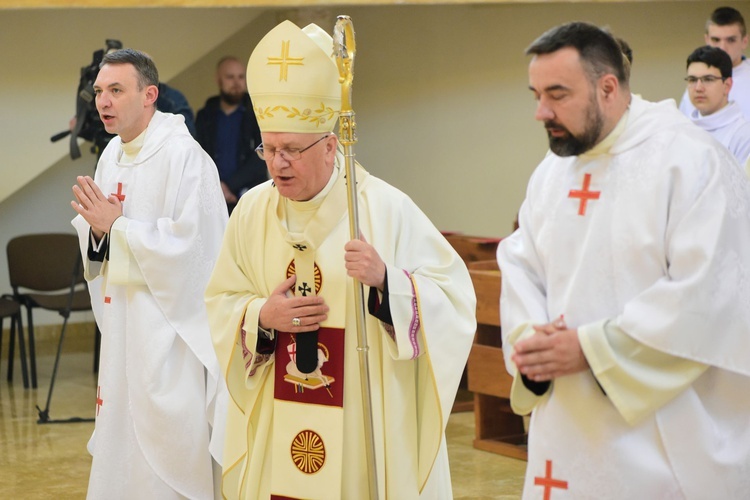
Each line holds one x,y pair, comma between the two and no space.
1,340
11,348
9,343
16,326
32,349
44,414
22,350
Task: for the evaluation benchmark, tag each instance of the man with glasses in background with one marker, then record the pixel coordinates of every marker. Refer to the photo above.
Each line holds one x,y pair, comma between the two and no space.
283,315
725,29
709,82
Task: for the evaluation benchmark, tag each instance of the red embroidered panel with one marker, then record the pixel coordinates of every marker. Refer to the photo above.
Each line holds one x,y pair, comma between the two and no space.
325,386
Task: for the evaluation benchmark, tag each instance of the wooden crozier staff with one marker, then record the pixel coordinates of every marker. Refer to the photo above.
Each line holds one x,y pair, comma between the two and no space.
345,49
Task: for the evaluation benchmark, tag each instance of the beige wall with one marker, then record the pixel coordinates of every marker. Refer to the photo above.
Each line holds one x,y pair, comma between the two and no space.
443,106
443,110
41,54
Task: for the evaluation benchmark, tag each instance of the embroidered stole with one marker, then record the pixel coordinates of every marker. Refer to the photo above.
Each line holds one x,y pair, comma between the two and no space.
308,417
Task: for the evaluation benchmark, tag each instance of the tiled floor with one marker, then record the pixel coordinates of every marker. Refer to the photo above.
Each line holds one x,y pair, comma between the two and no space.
50,461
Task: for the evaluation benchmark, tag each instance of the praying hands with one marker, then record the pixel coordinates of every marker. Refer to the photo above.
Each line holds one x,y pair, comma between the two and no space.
98,210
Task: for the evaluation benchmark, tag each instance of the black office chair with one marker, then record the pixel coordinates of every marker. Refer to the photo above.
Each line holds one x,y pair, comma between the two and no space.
46,272
10,308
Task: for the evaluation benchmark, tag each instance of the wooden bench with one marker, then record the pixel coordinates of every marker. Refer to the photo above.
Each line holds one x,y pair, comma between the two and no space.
471,249
497,428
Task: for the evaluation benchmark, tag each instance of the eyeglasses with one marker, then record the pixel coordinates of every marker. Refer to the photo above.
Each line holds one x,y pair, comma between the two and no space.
288,154
705,80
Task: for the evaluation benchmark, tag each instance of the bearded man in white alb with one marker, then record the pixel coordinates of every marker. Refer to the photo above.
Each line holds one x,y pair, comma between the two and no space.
625,291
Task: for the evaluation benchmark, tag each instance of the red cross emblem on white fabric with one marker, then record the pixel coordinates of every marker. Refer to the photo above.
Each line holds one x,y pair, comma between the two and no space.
119,194
584,194
548,482
99,400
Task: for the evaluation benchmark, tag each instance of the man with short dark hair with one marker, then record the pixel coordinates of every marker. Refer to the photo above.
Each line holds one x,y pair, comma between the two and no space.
228,131
709,81
725,29
624,295
150,226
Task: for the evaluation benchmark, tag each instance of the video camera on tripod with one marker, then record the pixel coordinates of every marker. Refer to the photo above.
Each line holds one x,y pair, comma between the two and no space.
88,126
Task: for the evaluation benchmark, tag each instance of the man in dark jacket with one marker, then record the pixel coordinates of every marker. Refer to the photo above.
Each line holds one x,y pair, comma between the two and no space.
228,131
172,100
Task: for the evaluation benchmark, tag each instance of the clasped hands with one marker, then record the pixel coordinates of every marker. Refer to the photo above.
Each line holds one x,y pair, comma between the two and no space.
552,351
98,210
281,309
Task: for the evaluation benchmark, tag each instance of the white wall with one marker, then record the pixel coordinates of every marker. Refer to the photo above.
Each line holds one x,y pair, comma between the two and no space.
440,92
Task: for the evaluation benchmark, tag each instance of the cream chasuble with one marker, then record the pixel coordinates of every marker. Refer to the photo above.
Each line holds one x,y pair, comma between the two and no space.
416,365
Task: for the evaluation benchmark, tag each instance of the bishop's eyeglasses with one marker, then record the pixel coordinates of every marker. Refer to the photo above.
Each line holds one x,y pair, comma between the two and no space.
287,154
705,80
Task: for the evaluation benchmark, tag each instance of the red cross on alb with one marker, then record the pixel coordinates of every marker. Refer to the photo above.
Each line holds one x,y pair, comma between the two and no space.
548,482
584,194
99,400
119,194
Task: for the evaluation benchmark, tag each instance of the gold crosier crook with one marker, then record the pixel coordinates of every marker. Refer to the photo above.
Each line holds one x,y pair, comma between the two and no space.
344,49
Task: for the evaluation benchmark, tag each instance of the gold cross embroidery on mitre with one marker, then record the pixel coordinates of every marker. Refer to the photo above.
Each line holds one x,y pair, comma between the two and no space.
284,61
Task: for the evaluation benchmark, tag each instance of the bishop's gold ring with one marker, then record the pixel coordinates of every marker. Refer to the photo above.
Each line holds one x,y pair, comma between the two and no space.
296,322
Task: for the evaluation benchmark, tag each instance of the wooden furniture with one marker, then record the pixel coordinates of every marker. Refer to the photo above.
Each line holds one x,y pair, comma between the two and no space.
497,429
471,249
